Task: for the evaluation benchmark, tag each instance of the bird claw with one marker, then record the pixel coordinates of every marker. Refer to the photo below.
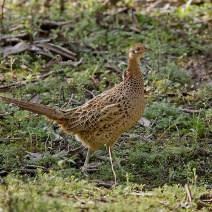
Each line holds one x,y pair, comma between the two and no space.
86,169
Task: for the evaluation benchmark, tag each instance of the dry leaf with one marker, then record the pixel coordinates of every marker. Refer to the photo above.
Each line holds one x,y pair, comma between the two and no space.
17,49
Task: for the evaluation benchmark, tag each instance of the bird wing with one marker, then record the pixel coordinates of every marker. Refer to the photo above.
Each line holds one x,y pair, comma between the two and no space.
101,110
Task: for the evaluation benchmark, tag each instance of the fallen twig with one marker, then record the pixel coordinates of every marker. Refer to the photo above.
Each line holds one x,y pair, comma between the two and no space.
10,139
90,92
76,151
106,184
30,171
35,167
186,110
68,63
113,69
58,50
17,84
53,24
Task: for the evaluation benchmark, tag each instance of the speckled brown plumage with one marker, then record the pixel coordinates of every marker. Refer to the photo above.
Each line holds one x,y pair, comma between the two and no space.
103,119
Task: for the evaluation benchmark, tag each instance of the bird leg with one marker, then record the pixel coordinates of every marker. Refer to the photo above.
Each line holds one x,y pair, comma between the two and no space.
115,159
111,161
85,167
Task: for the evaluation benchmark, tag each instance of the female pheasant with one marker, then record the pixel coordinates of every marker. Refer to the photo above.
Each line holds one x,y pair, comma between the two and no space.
103,119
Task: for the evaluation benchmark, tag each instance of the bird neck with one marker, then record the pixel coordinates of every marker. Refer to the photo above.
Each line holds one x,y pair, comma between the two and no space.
133,69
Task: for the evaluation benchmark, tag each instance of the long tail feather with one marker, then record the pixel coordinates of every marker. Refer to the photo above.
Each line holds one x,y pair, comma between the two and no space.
49,112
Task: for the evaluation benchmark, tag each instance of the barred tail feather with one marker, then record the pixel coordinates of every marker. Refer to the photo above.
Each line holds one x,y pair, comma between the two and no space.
49,112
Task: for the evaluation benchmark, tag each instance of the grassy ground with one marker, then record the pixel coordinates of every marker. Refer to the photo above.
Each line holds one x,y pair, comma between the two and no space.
156,160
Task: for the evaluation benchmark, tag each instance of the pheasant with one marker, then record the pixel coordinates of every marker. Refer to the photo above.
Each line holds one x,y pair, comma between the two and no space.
103,119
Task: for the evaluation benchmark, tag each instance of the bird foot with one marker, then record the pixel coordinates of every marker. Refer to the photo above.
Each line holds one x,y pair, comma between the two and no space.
84,170
92,167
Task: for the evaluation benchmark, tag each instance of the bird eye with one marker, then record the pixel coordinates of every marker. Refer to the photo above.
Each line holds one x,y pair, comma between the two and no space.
136,50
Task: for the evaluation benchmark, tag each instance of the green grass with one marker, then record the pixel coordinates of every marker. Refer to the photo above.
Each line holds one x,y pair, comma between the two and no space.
157,160
65,194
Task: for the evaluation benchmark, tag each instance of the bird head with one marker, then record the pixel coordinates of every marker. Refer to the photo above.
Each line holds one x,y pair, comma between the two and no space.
137,51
